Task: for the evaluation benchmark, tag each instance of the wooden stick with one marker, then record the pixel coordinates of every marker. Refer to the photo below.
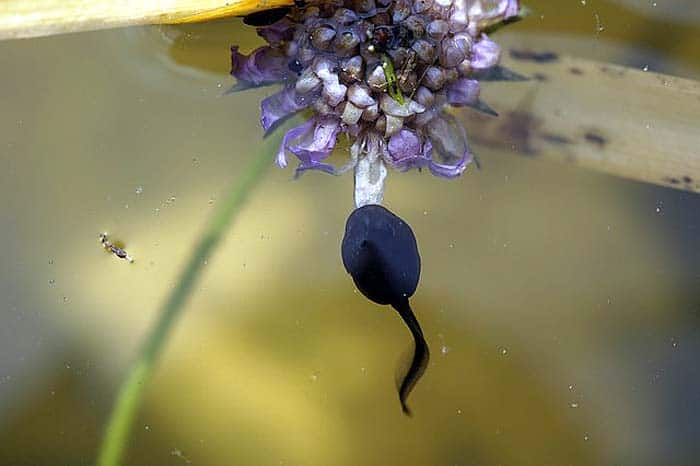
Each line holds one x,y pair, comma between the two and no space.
27,18
626,122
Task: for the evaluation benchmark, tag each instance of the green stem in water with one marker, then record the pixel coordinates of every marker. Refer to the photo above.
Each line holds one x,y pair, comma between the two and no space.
131,391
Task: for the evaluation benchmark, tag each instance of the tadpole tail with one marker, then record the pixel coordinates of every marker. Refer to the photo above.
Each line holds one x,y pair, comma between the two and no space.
421,354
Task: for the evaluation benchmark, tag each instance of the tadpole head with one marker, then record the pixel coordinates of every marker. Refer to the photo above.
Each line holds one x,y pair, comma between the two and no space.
379,251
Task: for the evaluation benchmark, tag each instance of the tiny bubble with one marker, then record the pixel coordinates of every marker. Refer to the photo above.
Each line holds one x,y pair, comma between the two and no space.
586,437
139,189
444,349
659,207
645,68
65,299
50,261
573,405
314,376
459,411
425,212
571,387
503,350
52,281
147,427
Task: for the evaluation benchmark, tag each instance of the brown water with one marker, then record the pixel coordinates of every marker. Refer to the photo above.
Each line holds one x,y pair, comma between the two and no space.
561,305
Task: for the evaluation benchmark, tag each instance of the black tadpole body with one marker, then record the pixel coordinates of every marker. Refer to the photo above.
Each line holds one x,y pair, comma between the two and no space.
380,252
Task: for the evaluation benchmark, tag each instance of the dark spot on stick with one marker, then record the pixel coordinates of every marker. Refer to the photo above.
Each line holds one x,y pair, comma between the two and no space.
596,139
687,179
617,72
576,71
556,139
540,77
537,57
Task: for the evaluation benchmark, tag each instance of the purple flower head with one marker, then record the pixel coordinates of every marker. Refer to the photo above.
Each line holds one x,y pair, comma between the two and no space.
382,73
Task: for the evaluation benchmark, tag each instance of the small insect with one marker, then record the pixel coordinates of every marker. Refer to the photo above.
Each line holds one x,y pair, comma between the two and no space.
380,252
392,84
110,247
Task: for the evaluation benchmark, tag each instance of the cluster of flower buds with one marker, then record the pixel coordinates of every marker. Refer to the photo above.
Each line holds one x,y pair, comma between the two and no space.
380,71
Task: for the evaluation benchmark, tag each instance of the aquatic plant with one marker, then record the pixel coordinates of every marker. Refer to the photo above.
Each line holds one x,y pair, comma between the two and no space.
382,73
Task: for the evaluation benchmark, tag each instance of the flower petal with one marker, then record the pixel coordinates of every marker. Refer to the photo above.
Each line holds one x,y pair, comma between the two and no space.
450,155
279,106
463,92
485,53
264,65
289,136
278,31
406,150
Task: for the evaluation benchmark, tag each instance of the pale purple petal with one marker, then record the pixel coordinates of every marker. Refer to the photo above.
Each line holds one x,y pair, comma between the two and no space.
319,144
450,155
280,105
311,143
289,136
455,49
485,53
463,92
404,145
263,65
459,19
360,96
333,91
451,171
511,8
277,32
324,167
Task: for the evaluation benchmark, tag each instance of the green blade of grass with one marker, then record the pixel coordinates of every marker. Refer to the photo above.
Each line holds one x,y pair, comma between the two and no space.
132,389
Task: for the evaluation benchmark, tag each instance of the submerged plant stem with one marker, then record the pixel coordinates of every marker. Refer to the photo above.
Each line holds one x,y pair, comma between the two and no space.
131,392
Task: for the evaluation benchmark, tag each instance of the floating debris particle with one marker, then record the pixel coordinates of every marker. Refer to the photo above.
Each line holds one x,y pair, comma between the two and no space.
111,247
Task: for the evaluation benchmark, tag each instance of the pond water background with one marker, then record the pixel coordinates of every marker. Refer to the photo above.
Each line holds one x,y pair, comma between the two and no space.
561,305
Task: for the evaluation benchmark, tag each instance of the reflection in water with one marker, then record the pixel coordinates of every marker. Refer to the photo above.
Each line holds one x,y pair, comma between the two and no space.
567,302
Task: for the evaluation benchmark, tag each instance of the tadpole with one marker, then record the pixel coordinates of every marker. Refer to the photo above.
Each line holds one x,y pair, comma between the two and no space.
379,251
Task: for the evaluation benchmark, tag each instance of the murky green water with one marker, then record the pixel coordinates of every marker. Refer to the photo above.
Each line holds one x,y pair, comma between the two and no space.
561,305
